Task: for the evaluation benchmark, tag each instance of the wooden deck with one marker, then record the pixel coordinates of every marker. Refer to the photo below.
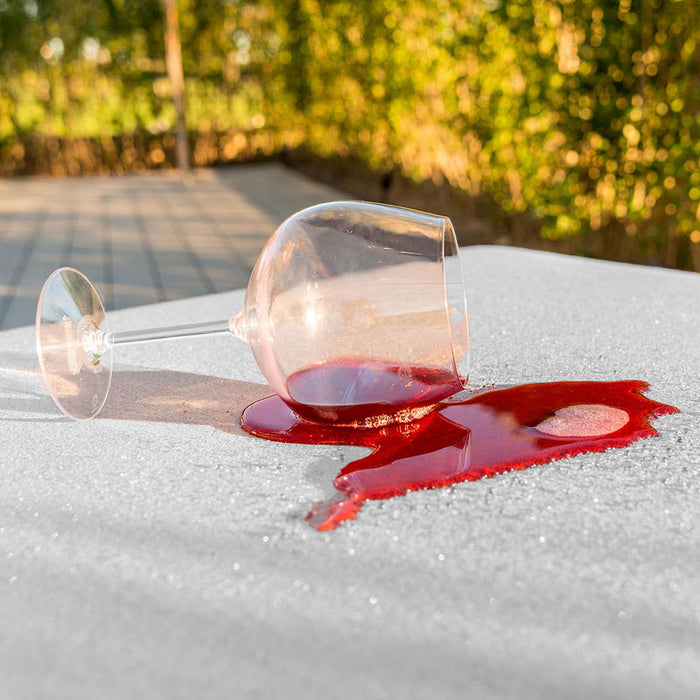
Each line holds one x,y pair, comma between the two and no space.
143,238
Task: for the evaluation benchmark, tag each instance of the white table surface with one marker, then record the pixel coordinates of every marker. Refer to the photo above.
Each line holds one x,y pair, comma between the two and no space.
153,553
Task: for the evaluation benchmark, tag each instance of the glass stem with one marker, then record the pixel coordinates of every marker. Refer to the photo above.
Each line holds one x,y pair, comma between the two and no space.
167,333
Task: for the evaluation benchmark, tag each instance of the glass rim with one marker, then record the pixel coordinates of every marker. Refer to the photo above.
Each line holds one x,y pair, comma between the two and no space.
461,368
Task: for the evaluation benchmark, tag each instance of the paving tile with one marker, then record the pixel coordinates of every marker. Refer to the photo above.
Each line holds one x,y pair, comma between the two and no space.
143,238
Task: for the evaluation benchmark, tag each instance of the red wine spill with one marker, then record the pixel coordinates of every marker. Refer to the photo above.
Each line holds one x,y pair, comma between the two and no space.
489,433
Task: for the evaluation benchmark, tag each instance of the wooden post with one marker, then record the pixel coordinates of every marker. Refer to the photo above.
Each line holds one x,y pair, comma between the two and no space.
173,59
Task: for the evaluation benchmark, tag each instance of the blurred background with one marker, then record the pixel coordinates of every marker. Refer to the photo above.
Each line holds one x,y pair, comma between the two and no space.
572,125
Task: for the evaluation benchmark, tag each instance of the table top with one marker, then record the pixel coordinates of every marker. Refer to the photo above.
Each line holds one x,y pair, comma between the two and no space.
159,551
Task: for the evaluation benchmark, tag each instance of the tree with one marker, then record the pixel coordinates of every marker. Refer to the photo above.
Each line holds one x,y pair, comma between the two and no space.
173,61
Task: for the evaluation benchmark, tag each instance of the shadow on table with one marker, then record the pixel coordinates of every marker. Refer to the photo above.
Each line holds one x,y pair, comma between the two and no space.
166,396
154,396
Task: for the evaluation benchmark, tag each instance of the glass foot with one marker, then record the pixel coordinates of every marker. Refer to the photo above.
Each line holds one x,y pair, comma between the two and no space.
76,367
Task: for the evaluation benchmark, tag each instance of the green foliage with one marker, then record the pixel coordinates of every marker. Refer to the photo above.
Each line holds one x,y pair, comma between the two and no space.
98,69
584,114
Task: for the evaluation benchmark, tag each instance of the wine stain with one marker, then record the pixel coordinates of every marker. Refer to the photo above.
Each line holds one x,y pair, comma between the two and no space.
491,432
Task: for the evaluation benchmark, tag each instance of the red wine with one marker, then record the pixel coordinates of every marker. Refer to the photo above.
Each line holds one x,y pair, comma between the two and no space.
350,391
491,432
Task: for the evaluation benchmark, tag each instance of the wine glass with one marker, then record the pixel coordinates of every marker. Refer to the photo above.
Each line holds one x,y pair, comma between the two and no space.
355,313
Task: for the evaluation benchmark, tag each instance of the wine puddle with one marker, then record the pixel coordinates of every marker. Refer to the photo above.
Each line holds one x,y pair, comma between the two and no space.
491,432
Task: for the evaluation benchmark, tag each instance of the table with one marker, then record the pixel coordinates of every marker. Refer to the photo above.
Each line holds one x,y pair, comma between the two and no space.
158,551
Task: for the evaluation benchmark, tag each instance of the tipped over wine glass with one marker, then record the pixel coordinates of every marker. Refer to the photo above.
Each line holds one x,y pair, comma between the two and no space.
355,313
